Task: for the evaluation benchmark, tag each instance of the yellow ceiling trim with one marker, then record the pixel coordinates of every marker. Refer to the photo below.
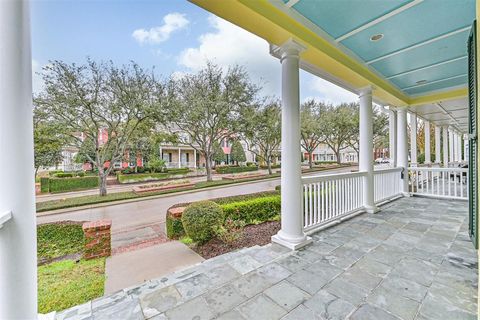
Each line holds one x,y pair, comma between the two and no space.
441,96
263,19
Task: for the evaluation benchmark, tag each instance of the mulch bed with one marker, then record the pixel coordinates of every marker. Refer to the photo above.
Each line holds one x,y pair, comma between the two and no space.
259,234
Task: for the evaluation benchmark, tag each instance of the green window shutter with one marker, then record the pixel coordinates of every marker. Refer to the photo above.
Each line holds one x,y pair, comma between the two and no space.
472,130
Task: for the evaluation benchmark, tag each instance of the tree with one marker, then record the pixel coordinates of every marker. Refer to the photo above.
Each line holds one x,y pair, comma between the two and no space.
237,153
48,142
206,104
380,130
262,130
218,154
99,106
311,127
340,126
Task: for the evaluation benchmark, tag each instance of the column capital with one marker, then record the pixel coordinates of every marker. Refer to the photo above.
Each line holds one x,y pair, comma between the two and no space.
366,91
290,48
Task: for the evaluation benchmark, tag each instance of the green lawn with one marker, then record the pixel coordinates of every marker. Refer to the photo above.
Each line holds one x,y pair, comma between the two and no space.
94,199
56,240
68,283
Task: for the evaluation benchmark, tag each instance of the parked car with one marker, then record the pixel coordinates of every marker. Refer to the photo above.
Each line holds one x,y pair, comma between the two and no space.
382,160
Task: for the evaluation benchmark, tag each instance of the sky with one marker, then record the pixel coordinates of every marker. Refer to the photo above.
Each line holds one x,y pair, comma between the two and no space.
170,36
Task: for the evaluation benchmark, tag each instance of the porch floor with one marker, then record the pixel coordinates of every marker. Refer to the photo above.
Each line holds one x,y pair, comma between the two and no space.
412,260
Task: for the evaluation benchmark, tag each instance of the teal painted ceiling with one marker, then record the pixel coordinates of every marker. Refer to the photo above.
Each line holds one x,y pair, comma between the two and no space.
423,44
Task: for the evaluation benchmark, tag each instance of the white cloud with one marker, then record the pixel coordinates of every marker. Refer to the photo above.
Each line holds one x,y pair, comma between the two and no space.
228,45
172,22
329,92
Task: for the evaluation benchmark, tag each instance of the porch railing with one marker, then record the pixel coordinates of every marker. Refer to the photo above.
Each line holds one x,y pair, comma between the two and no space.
329,198
449,183
387,184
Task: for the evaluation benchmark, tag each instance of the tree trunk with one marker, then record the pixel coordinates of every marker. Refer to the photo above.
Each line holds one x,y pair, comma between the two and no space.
269,164
310,160
208,167
337,154
103,182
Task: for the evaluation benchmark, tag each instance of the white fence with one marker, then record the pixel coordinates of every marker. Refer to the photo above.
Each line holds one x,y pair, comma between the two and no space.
449,183
387,184
330,197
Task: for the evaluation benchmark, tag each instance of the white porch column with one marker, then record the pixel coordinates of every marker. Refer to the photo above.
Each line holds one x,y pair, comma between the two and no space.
465,148
451,152
402,147
428,158
291,234
393,137
179,158
446,149
437,145
459,139
366,148
194,158
413,139
18,252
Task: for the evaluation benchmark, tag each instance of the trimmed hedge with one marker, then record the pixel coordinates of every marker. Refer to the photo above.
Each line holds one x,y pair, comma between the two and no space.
142,177
174,227
234,169
259,209
44,184
178,170
251,208
273,166
72,184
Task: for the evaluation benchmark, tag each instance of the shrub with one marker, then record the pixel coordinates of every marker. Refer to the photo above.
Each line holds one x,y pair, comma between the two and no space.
127,170
54,172
249,164
45,184
230,231
178,170
199,220
64,175
234,169
81,174
140,169
141,177
263,209
72,184
174,227
273,166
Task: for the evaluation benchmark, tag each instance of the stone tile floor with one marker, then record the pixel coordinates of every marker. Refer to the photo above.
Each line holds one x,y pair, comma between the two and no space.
412,260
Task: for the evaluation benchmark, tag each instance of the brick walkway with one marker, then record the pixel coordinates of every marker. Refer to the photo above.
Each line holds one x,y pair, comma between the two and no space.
412,260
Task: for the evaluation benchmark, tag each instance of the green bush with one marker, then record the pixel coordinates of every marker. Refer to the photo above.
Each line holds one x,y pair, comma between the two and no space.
259,209
72,184
234,169
251,208
178,170
141,177
54,172
45,184
174,227
64,175
273,166
324,162
199,220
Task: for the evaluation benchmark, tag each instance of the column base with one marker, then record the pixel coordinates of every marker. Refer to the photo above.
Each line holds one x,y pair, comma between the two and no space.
291,244
406,194
371,209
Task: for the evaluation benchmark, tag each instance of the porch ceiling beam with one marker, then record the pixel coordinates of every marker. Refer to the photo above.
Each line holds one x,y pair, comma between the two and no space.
291,3
447,113
436,81
377,20
427,67
419,44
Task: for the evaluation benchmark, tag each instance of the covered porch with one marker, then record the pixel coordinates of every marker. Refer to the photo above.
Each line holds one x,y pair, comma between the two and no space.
407,259
411,260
